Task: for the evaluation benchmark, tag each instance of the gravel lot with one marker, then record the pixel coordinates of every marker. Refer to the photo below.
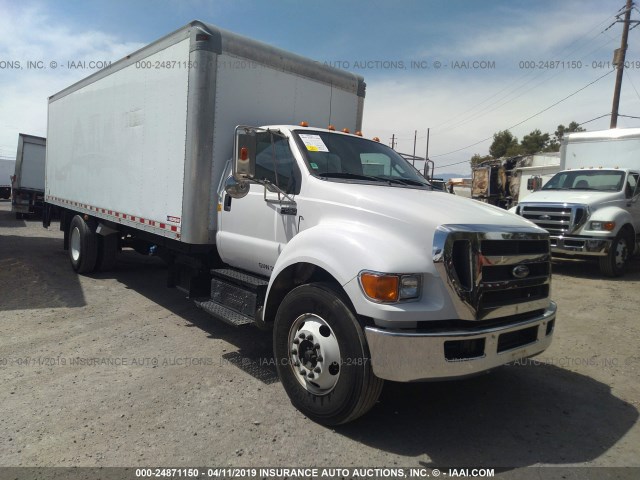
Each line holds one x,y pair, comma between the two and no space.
115,369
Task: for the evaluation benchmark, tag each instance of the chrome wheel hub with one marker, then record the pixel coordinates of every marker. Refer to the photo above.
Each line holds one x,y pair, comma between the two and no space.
314,354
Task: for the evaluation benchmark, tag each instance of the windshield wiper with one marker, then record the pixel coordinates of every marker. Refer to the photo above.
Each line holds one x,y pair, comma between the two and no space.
404,181
354,176
379,178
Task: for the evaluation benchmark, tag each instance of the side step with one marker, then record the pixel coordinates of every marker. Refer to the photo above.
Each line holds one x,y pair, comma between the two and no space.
236,296
223,313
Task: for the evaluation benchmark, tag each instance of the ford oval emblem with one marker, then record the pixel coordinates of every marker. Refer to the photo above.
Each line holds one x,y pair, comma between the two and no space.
545,217
520,271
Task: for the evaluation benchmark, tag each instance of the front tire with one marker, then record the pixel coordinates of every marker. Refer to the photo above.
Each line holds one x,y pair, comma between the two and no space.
322,356
83,246
614,263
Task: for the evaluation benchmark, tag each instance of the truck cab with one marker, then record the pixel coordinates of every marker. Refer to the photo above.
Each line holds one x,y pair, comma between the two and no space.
591,208
589,212
362,258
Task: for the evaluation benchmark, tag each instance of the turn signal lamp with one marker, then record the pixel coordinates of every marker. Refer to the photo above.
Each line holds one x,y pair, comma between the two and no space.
606,226
379,287
244,153
332,128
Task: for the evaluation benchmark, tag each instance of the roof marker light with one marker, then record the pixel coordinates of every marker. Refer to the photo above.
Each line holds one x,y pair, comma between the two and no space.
304,124
332,128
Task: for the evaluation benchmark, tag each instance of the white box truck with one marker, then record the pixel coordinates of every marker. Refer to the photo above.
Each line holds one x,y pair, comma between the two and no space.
590,207
6,172
28,179
333,241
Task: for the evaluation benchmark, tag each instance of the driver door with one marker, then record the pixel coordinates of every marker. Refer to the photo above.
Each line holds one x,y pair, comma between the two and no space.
253,230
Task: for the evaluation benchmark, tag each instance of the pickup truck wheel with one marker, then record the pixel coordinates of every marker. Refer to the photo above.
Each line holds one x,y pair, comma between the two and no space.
322,356
83,247
613,264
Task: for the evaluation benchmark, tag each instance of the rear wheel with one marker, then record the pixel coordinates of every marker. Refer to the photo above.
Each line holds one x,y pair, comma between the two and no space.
322,357
614,263
83,246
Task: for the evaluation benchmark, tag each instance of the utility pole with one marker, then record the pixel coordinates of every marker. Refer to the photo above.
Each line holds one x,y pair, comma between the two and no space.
415,138
426,155
618,60
393,141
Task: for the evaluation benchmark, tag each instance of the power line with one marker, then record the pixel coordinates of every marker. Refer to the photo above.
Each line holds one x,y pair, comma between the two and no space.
594,119
523,121
518,87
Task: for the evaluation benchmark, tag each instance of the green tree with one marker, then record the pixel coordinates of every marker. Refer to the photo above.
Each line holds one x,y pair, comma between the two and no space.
504,144
535,142
562,130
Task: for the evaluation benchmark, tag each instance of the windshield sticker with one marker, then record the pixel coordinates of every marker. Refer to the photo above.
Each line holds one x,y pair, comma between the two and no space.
314,165
313,143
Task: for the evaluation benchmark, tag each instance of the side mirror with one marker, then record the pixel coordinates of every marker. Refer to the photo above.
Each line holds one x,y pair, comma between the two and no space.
236,189
534,183
244,153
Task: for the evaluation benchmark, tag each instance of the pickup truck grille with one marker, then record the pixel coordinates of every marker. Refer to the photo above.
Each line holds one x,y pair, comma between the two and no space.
557,219
493,273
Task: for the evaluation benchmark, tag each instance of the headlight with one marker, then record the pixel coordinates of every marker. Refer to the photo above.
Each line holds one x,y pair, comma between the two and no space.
389,288
606,226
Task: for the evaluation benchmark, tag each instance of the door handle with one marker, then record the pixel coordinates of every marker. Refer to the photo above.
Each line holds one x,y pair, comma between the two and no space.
227,203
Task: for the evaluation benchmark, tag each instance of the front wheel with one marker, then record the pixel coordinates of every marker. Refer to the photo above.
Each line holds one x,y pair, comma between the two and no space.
322,356
613,264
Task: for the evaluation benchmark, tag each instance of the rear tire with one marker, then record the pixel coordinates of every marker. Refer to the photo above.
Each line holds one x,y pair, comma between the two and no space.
615,262
322,356
83,246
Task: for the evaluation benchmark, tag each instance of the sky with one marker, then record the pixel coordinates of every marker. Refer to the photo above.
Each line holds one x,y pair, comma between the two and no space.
461,68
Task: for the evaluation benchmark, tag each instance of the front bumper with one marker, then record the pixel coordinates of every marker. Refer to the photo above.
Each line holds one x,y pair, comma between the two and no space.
580,245
407,356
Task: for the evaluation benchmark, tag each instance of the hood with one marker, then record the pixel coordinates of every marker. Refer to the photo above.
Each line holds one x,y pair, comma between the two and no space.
581,197
411,206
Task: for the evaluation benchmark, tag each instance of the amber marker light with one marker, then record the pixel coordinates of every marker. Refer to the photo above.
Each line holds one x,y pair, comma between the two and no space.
359,133
332,128
380,287
345,130
376,139
304,124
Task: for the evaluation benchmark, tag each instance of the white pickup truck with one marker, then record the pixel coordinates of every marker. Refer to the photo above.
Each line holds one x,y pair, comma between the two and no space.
362,270
591,207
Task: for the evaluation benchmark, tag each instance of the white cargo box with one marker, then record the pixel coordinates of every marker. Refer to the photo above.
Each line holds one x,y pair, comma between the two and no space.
7,167
30,163
615,148
144,141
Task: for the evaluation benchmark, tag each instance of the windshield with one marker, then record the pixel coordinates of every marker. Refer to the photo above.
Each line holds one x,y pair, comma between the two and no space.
599,180
348,157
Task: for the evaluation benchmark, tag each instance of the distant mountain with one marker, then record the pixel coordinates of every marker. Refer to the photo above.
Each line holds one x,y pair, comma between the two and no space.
447,176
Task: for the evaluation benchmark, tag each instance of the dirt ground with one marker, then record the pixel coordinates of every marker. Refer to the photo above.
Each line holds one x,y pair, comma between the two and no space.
115,369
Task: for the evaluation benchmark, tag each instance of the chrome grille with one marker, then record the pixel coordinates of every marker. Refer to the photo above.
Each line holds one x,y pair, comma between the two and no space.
492,273
557,219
